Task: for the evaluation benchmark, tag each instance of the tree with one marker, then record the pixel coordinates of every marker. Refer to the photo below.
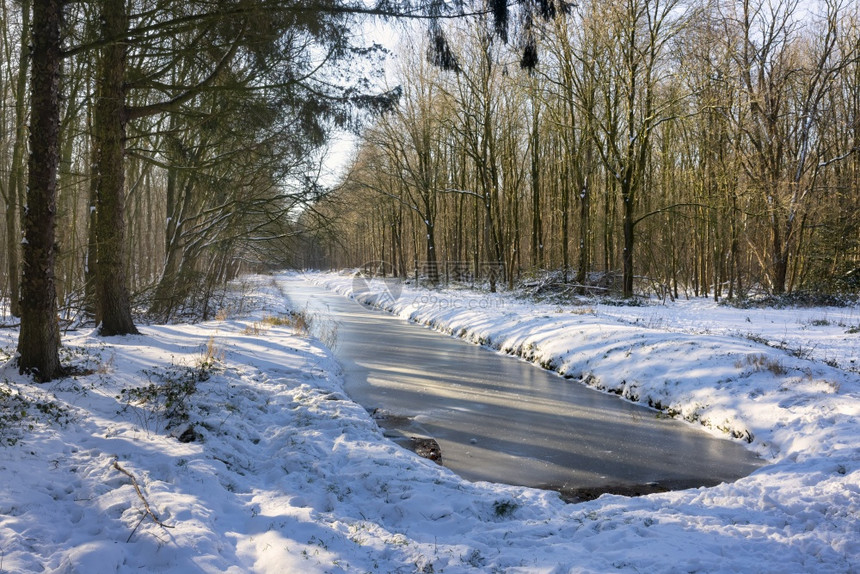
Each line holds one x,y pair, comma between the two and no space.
274,39
408,146
110,116
39,339
573,75
637,34
784,82
15,187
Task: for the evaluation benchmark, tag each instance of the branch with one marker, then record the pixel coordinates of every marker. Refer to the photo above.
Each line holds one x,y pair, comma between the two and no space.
140,494
169,28
173,103
463,192
836,159
670,208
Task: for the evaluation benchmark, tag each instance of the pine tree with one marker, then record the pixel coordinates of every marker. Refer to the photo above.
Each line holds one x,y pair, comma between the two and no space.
39,339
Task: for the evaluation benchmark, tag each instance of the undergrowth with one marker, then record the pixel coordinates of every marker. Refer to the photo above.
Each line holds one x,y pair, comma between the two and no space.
165,402
761,362
794,299
304,323
299,321
20,413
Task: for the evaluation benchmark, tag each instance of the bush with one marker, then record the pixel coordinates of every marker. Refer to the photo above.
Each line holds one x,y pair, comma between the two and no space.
20,413
166,399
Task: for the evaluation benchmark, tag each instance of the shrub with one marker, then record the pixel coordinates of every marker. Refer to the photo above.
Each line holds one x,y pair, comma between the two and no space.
166,399
19,413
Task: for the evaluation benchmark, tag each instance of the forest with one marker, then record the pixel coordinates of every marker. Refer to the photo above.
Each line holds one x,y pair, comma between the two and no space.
153,150
215,117
704,148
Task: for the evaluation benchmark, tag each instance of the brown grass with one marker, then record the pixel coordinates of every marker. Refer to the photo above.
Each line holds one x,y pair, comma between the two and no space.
762,362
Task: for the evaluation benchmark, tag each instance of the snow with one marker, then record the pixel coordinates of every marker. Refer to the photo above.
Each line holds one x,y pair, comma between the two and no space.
288,475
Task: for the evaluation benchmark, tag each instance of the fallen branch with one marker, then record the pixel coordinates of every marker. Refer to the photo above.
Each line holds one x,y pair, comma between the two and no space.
149,511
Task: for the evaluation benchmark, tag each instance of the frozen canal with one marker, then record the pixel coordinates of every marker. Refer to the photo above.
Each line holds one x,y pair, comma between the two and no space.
501,419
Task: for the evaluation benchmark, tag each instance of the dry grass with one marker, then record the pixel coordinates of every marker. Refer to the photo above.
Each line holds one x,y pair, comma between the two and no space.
583,311
106,367
211,354
300,321
303,323
761,362
253,329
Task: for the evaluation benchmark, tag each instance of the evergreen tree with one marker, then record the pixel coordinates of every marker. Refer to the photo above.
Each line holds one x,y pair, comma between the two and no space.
39,339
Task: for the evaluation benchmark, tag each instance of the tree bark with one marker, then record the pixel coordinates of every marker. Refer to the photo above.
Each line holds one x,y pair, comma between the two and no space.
629,241
113,309
537,221
39,339
584,262
16,170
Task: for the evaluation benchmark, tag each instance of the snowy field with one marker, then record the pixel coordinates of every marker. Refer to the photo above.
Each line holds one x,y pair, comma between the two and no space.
268,467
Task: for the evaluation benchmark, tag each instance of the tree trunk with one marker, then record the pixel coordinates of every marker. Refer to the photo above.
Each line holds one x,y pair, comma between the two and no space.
780,256
109,122
565,223
90,306
165,296
39,339
16,170
585,221
628,237
537,222
432,261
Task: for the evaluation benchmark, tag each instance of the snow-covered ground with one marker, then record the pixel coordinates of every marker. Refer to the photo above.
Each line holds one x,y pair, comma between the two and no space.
282,473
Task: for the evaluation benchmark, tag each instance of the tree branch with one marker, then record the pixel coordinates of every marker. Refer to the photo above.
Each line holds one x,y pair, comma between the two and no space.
174,103
148,510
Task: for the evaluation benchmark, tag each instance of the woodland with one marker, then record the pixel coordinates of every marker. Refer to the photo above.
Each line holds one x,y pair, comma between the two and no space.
704,148
152,150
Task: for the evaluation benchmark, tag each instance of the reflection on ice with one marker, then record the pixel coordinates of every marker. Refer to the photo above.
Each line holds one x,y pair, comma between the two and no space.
500,419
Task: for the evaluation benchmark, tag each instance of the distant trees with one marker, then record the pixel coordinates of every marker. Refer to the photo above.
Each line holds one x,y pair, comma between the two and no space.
715,141
786,75
409,151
